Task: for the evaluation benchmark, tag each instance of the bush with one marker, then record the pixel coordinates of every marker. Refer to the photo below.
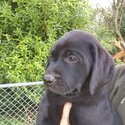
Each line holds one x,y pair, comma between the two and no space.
28,28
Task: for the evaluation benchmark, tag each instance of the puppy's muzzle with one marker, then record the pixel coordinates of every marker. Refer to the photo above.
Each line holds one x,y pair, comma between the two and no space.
49,79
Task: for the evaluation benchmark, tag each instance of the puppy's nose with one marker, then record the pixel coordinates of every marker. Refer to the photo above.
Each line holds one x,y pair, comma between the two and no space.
48,79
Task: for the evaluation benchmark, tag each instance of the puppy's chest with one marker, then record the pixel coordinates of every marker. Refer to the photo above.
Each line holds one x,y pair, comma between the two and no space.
80,116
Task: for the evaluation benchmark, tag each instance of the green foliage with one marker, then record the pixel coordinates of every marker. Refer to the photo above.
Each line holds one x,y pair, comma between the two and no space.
122,27
103,28
23,61
105,36
28,28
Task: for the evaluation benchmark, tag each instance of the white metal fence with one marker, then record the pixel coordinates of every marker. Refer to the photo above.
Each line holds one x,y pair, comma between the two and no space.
19,103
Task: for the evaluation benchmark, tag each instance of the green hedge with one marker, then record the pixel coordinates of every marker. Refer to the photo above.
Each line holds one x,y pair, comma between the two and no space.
28,28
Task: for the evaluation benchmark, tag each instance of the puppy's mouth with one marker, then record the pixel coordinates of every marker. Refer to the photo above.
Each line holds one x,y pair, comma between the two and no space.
62,88
73,93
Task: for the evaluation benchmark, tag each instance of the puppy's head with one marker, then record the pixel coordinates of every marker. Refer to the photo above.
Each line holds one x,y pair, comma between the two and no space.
77,62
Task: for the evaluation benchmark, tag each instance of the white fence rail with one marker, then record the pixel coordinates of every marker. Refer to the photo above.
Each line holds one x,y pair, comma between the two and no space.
19,103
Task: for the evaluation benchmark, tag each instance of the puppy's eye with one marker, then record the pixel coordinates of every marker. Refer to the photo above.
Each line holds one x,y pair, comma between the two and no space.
71,59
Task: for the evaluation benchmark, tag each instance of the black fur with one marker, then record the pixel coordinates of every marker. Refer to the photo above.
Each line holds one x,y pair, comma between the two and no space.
78,71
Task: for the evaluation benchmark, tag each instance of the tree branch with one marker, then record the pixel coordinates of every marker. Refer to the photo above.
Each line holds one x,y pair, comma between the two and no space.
117,17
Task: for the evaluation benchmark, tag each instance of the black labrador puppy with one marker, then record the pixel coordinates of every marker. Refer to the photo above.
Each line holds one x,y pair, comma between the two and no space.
78,71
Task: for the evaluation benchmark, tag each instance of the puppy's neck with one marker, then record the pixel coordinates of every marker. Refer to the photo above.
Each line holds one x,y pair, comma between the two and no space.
82,99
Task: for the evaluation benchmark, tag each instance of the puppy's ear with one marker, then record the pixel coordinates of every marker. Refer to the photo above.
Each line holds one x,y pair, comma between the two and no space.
103,68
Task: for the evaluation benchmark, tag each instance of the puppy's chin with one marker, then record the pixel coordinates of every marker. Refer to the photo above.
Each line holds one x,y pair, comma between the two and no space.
65,93
63,89
72,94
